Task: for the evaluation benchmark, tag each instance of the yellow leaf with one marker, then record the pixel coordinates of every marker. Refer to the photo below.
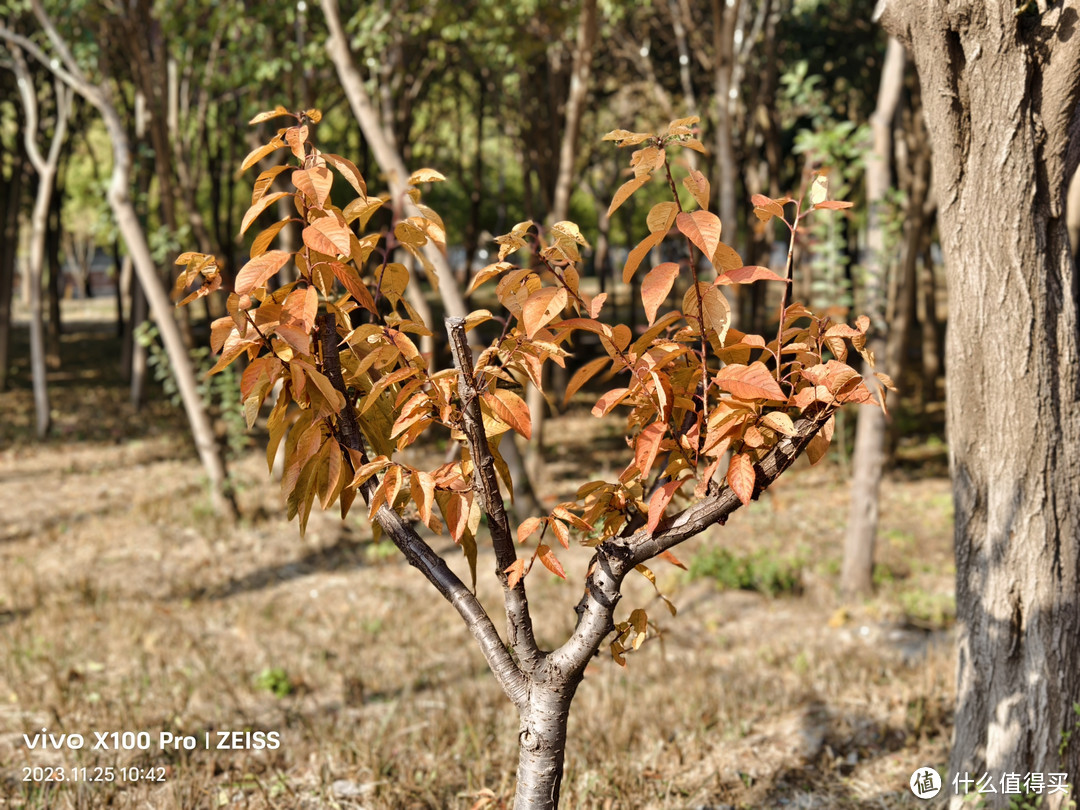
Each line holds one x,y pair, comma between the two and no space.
260,206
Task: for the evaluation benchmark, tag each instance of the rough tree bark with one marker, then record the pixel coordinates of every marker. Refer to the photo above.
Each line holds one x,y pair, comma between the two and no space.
856,578
1000,91
46,168
65,68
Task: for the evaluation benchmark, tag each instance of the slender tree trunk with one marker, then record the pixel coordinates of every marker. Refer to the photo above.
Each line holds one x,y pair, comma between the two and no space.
38,224
856,578
388,158
1073,213
1001,96
11,191
55,288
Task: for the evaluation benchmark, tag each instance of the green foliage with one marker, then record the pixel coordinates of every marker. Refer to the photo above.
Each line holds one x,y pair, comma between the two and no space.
760,571
275,681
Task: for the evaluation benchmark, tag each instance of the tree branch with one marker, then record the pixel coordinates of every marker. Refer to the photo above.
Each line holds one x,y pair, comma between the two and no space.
518,619
617,556
419,554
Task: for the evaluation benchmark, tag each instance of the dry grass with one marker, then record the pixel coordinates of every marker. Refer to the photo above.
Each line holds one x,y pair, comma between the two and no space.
125,606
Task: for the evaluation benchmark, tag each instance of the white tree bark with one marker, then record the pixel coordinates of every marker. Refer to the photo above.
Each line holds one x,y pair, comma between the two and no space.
46,167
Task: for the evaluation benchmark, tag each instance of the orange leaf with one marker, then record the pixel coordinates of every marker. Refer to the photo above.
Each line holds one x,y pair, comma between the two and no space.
609,401
659,501
328,236
547,557
508,407
702,228
640,252
671,558
750,382
561,532
314,183
514,572
833,205
655,287
266,116
528,527
596,304
541,307
257,154
256,272
766,208
748,275
260,206
350,280
740,477
698,185
725,258
422,488
263,240
625,190
661,217
347,169
583,375
647,446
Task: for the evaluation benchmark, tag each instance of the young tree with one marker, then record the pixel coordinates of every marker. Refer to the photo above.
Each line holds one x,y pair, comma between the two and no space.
46,166
1001,89
66,68
340,340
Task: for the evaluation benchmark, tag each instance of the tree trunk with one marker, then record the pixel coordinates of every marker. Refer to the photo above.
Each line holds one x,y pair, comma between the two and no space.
1073,213
11,191
542,745
38,224
388,158
1000,94
55,286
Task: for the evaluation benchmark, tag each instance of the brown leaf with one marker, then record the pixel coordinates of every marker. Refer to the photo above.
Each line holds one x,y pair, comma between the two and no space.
260,206
740,477
748,275
624,192
833,205
547,557
514,572
656,286
528,527
698,186
702,228
750,382
511,409
541,307
347,169
266,116
257,154
639,253
659,501
328,236
257,271
647,446
583,375
350,280
661,217
725,258
609,401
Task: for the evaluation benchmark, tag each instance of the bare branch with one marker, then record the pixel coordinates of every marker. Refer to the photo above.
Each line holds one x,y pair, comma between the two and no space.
518,619
31,48
419,554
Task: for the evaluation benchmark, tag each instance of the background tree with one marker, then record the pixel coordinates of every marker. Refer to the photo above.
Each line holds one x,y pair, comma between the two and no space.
1003,155
64,67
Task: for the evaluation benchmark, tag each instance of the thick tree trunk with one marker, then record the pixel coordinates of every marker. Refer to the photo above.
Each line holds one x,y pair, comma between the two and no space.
542,745
1000,94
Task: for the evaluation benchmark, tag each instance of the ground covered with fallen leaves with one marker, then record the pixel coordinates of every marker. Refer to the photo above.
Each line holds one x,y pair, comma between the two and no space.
125,605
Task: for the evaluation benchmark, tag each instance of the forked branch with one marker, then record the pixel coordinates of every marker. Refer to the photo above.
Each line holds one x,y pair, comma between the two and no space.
518,620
